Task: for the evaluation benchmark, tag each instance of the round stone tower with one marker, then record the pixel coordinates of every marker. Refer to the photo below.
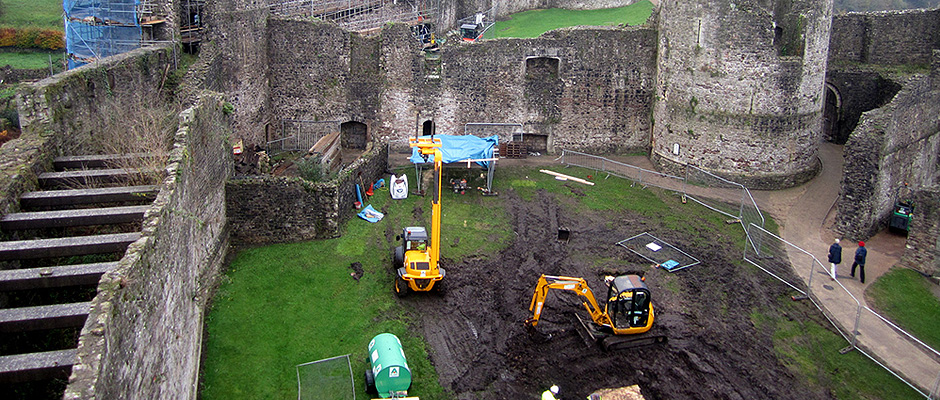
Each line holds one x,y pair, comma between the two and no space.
740,88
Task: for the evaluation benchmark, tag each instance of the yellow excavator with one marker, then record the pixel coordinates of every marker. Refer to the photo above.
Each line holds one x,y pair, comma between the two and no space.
624,320
416,260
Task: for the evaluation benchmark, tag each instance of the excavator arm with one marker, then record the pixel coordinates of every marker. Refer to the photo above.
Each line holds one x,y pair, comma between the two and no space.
577,286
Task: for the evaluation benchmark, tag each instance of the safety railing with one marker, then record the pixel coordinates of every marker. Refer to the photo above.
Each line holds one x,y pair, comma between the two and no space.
862,328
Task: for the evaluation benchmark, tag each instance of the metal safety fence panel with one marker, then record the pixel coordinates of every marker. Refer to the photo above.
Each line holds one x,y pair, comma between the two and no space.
711,191
863,329
329,378
300,135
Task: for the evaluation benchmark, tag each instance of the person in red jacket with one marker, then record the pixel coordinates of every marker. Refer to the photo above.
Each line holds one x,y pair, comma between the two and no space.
860,255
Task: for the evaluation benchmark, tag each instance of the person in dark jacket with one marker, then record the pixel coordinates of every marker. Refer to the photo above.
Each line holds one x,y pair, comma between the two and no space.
860,255
835,258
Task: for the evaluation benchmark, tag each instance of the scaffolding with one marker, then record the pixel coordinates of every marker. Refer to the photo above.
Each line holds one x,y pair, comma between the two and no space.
360,15
95,29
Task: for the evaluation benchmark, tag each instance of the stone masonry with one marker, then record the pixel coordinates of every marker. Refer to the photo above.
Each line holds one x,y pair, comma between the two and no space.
923,241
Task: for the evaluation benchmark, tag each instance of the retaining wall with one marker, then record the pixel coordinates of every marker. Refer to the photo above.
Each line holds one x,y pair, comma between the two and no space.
923,241
143,337
271,209
893,151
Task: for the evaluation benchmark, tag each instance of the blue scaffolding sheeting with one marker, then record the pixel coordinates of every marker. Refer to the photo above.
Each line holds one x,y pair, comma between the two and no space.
95,29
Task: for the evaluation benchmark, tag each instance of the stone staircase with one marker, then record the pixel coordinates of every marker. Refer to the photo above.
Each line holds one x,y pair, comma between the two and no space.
52,255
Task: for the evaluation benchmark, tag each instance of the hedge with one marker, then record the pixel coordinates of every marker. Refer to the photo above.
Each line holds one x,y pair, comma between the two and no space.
29,38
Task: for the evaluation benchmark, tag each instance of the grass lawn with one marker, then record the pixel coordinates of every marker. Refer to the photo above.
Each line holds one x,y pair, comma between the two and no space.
46,14
288,304
31,59
812,351
533,23
904,296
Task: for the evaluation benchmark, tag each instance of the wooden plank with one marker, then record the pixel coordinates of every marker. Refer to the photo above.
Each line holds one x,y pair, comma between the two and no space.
56,198
36,366
92,176
70,246
58,276
70,218
54,316
325,143
96,161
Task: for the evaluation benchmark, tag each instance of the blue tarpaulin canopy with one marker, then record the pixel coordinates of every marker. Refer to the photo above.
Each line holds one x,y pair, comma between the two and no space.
460,148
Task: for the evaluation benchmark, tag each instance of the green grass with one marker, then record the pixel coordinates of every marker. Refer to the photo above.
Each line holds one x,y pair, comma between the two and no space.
288,304
46,14
31,59
531,24
812,351
903,296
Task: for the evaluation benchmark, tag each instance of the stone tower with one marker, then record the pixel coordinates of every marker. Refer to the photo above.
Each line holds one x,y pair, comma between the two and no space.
740,88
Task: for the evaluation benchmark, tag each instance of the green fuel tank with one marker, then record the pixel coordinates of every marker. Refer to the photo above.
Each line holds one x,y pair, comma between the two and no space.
390,370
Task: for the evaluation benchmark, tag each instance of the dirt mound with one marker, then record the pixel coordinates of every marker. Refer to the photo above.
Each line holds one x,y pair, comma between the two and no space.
482,351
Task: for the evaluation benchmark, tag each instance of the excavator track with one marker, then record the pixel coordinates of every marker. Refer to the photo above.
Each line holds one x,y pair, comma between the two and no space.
614,343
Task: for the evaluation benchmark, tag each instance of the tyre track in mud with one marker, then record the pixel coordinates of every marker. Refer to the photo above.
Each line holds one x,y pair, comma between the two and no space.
481,350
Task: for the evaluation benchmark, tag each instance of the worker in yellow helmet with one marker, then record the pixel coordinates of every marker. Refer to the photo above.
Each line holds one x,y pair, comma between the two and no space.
550,393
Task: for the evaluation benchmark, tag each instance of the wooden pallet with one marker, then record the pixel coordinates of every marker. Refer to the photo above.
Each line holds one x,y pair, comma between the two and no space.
513,150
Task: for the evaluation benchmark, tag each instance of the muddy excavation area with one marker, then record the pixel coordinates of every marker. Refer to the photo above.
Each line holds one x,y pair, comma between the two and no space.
482,350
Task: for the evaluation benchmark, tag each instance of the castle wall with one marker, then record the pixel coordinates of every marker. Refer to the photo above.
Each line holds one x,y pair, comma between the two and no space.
143,336
858,90
740,88
923,241
886,38
598,98
893,151
233,60
271,209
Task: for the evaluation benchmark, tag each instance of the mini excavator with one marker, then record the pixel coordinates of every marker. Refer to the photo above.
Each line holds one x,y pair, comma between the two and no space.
416,260
624,320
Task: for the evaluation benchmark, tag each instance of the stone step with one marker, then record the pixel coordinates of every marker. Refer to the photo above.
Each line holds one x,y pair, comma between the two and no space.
70,218
96,161
70,246
43,317
91,176
58,276
58,198
36,366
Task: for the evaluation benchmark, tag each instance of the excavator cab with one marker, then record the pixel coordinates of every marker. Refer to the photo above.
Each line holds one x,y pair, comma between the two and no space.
628,304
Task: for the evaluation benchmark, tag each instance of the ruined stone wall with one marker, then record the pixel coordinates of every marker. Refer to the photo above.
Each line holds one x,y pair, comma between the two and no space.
235,62
595,98
858,90
886,38
143,336
80,103
894,150
740,88
272,209
923,241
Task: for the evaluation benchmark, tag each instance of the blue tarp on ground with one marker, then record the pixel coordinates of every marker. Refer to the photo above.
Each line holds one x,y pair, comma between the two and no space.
370,214
459,148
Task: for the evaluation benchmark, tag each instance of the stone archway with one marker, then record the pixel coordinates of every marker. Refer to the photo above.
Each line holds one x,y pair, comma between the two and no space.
355,135
428,128
832,115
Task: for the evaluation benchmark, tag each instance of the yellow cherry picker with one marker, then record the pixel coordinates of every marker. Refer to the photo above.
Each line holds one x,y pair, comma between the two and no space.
416,260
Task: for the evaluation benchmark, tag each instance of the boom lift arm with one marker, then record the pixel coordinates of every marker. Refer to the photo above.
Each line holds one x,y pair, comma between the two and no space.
576,285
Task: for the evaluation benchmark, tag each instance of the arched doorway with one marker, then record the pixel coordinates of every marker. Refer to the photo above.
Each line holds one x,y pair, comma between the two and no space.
355,135
427,128
831,115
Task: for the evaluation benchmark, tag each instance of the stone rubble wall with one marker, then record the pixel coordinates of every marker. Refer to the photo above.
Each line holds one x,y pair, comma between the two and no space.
143,337
272,209
893,152
885,38
923,241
